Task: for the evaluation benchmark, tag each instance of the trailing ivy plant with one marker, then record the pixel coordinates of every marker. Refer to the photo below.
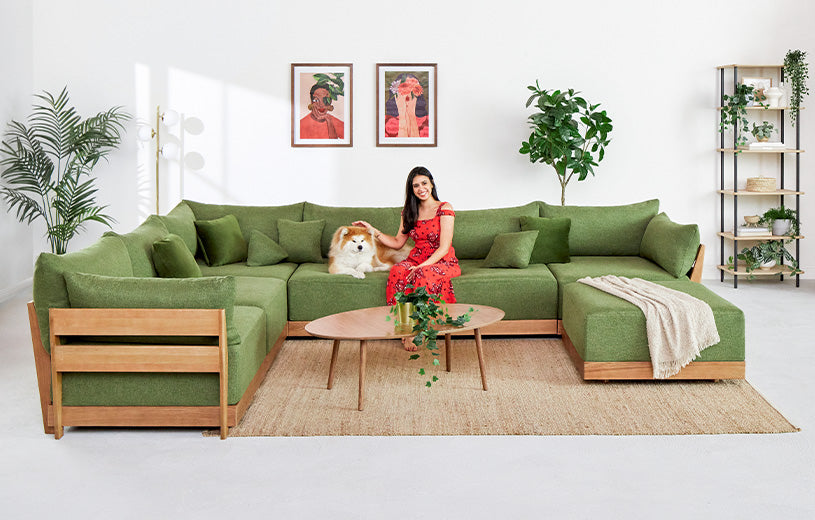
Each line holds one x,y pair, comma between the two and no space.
772,250
48,164
782,213
796,71
429,310
568,133
734,113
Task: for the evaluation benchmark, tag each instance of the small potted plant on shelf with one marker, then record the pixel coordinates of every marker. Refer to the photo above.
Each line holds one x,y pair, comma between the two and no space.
783,220
763,132
796,71
734,112
423,310
765,256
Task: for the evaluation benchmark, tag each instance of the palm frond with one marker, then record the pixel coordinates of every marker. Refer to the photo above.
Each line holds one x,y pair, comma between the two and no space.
27,209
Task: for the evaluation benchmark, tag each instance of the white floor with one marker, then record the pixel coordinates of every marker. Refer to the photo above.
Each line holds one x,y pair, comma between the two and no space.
107,473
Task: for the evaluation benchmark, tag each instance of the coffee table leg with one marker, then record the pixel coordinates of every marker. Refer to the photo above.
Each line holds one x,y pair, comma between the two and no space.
447,352
477,333
361,399
334,351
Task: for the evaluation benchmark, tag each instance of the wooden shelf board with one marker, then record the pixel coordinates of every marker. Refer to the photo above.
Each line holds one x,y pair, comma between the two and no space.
754,193
746,150
730,236
773,271
765,108
750,66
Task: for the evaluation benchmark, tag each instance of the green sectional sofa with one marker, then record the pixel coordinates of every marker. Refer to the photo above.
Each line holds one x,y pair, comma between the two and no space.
268,296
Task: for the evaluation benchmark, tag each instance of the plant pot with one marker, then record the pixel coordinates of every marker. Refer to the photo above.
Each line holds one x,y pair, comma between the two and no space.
781,227
769,264
404,323
762,139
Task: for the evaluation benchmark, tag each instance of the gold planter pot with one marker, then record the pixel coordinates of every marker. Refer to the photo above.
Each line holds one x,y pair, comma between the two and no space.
404,323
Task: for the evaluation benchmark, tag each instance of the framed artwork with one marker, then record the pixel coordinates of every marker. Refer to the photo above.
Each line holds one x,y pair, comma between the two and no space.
321,104
406,104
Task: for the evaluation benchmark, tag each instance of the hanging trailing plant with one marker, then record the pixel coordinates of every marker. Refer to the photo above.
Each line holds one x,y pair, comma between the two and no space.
734,113
796,71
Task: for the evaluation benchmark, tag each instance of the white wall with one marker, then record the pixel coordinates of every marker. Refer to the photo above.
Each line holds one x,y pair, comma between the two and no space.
650,64
15,91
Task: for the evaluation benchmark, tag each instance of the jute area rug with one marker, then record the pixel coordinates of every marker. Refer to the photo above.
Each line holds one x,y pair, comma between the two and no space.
533,390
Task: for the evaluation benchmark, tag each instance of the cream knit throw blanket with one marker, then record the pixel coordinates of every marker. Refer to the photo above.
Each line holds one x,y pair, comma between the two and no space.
678,325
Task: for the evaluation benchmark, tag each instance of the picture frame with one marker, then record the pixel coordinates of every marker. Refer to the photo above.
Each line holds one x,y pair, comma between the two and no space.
760,85
406,104
322,104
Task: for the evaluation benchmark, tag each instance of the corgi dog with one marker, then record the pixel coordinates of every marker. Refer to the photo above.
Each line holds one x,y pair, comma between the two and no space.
355,251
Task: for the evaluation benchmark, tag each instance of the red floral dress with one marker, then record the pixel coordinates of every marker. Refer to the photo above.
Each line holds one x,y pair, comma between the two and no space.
437,278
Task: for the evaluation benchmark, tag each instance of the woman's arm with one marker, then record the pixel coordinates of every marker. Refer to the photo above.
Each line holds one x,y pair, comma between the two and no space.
395,242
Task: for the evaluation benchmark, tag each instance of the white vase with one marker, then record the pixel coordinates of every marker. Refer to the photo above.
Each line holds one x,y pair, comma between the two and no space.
781,227
773,95
769,264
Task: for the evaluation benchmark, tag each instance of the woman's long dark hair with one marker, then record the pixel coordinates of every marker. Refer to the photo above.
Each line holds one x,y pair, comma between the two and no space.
410,213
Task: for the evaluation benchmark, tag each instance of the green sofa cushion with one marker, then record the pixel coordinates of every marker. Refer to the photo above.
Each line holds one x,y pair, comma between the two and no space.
108,256
183,389
269,295
102,292
301,240
552,244
139,244
263,250
603,327
281,271
173,259
314,293
181,221
628,266
511,250
475,229
261,218
385,219
605,230
221,240
672,246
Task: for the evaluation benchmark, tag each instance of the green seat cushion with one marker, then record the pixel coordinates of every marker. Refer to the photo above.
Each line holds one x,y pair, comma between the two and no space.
314,293
672,246
181,221
511,250
603,327
261,218
221,240
385,219
94,291
552,244
281,271
523,294
605,230
628,266
476,229
173,259
139,244
263,250
184,389
108,256
301,240
268,295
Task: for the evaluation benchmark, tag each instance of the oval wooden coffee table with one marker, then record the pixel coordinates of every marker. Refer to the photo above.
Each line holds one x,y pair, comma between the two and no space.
372,324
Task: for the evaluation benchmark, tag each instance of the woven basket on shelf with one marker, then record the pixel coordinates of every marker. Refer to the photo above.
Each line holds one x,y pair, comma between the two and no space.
761,184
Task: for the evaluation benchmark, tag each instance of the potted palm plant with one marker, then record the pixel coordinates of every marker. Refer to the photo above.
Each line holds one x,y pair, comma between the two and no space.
48,163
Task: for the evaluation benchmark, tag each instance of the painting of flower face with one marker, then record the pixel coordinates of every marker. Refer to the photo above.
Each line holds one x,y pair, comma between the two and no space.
321,105
406,105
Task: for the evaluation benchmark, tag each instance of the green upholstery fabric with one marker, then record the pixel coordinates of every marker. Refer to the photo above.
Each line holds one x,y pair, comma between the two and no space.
603,327
94,292
672,246
139,244
552,244
221,240
261,218
152,389
108,256
475,229
181,221
263,250
605,230
173,259
385,219
314,293
511,250
628,266
523,294
301,240
268,295
281,271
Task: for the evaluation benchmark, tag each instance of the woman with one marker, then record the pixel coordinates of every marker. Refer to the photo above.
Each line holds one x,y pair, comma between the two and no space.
432,263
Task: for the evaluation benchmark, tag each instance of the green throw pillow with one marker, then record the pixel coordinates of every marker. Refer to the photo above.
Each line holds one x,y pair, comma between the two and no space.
670,245
94,291
221,240
511,249
263,250
552,244
173,259
301,240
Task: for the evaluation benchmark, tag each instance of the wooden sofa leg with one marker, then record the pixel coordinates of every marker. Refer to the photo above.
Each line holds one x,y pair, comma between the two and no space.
42,363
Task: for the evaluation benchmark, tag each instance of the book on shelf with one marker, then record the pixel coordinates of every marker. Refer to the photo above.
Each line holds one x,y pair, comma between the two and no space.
752,231
767,146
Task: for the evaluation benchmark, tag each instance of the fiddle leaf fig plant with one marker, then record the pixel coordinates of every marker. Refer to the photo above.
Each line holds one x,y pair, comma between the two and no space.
796,71
568,133
48,164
